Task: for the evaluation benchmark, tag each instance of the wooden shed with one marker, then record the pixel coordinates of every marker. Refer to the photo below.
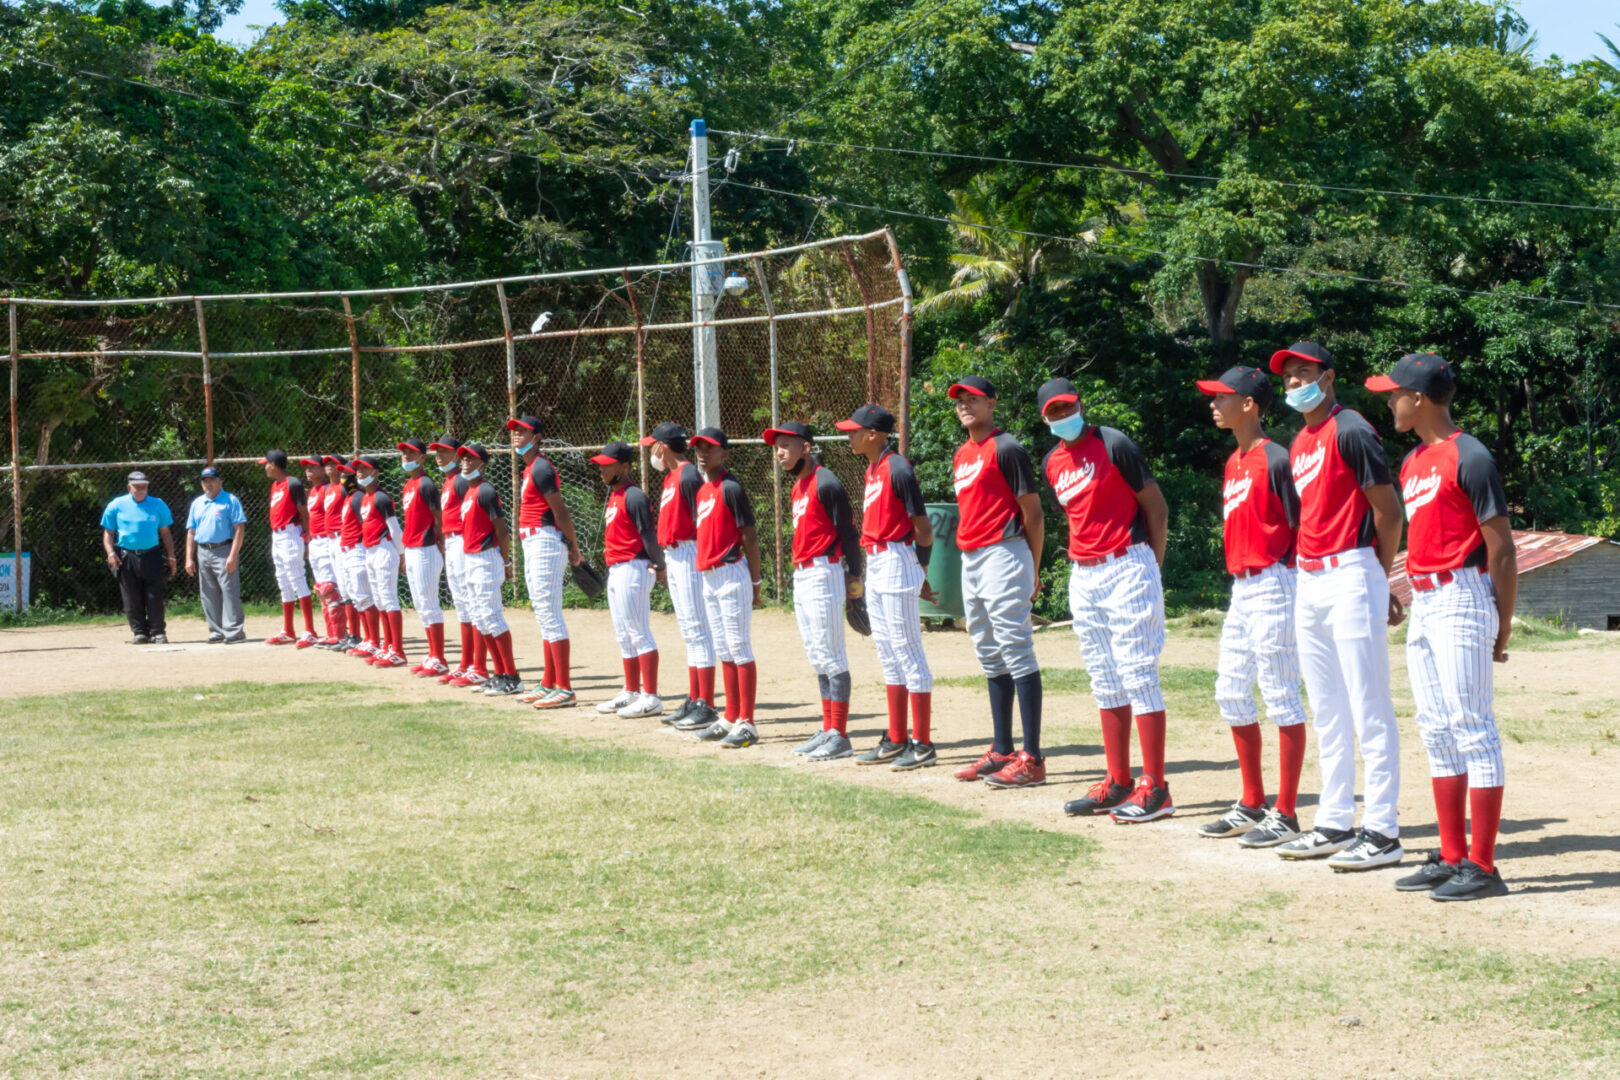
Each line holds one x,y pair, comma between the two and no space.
1574,580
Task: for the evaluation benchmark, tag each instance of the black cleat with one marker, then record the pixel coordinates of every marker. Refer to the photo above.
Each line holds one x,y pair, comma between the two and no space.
1103,797
1471,882
1235,822
914,756
1432,874
883,751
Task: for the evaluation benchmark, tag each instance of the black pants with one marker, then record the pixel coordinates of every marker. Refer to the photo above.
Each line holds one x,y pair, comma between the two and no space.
141,578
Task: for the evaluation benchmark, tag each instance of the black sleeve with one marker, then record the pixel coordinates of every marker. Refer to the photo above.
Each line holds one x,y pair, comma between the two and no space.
383,503
296,492
354,502
1477,475
1361,451
426,489
691,483
639,507
737,502
1281,473
835,501
903,479
1015,465
490,500
543,476
1126,457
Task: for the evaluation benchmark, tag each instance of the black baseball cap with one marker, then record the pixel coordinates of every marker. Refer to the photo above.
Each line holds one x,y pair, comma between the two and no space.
445,443
670,434
212,473
977,385
414,444
1247,381
342,466
278,458
792,427
313,462
871,416
332,459
1424,372
1301,350
367,460
612,452
527,423
1055,392
472,449
713,436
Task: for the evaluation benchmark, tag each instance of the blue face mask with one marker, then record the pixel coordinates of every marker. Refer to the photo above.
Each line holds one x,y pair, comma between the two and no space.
454,466
409,466
1068,428
1305,398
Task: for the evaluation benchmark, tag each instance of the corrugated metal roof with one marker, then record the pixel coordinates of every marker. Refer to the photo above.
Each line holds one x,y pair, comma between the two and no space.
1532,549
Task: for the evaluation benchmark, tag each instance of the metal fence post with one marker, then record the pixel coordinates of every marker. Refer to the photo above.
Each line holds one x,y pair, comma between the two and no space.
906,318
16,465
776,416
208,381
354,371
641,374
511,414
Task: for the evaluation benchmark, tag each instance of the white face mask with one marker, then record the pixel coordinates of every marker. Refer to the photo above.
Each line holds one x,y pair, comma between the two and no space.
474,474
408,465
365,481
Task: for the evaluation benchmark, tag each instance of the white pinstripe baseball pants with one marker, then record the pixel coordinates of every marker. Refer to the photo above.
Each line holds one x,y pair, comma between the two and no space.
545,561
1339,615
484,572
423,568
686,594
356,580
997,584
382,573
893,577
455,573
1118,612
728,600
1448,658
287,556
818,607
629,591
322,567
1258,645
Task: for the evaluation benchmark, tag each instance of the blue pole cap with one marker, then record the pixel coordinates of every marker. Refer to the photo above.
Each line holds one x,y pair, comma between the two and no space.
700,130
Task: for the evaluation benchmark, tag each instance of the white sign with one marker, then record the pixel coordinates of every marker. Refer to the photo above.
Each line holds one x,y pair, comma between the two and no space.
8,587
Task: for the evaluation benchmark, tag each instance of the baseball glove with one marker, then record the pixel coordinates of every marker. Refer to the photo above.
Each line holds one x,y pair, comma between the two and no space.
855,614
589,581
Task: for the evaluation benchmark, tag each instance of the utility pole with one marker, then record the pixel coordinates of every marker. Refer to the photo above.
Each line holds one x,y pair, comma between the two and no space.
706,285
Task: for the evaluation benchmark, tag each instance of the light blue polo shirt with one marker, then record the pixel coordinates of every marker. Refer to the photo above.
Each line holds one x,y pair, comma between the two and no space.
214,520
136,523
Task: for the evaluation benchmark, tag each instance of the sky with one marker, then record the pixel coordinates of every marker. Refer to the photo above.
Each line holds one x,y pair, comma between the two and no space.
1568,28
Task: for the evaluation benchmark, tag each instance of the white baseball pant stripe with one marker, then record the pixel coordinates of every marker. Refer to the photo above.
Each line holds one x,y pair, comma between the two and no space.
728,599
545,560
423,568
382,573
686,594
357,581
1448,658
1258,645
455,574
818,607
321,564
483,574
893,578
287,556
998,584
629,590
1340,614
1118,612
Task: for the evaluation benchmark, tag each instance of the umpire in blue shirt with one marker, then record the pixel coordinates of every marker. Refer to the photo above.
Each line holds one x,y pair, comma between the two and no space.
215,526
132,526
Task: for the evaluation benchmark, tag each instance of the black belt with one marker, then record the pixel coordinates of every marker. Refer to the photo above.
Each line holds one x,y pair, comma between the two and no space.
214,543
137,551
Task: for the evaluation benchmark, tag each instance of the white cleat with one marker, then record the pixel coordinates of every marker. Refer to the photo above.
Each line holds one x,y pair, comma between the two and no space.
614,704
643,705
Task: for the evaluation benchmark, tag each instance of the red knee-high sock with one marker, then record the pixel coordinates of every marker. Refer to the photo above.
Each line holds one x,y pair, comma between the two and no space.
747,685
548,667
307,606
632,674
840,716
897,712
505,658
326,617
705,685
733,695
396,632
560,650
464,658
374,627
694,688
435,636
1116,735
286,617
649,672
1150,732
826,714
1485,812
1247,740
1291,757
1450,812
922,715
480,653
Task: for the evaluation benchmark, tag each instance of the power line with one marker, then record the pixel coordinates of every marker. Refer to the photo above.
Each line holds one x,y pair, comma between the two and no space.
1334,275
1152,174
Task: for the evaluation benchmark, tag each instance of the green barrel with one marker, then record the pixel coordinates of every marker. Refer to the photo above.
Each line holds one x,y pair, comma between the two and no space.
945,564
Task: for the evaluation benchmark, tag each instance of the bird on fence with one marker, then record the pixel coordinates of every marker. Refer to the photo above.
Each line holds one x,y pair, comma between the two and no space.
540,323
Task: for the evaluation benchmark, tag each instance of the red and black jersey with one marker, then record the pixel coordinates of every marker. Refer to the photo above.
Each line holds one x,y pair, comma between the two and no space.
450,505
419,499
1449,489
1260,507
823,520
541,484
1096,480
317,510
723,513
1333,465
628,528
350,527
990,476
891,499
376,507
332,509
480,506
677,506
286,496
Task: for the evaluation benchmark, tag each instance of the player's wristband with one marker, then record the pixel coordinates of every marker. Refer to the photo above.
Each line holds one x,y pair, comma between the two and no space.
758,583
924,553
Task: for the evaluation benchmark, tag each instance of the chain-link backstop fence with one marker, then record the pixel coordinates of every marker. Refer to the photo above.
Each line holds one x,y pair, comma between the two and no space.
170,384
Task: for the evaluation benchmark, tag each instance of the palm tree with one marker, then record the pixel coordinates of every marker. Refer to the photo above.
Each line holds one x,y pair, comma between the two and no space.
1611,68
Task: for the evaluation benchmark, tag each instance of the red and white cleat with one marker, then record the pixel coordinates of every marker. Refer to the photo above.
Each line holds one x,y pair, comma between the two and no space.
388,660
363,650
306,640
431,668
470,678
327,642
449,678
280,639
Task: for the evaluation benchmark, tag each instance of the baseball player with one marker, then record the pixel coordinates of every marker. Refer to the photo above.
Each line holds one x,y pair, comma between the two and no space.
677,535
634,560
322,567
486,546
728,560
289,525
352,567
823,534
1000,533
1261,512
382,537
549,547
898,540
472,660
422,523
1117,525
1349,530
1464,574
335,502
